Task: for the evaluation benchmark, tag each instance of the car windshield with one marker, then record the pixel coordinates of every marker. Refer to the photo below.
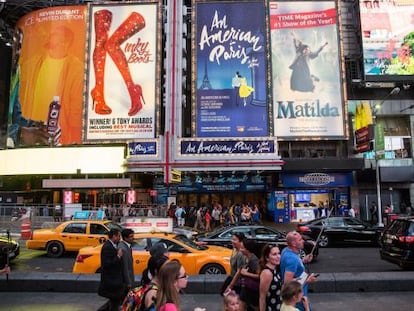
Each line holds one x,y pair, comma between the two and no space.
186,241
112,225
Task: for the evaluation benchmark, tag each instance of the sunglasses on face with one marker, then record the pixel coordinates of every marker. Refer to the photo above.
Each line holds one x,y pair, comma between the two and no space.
183,276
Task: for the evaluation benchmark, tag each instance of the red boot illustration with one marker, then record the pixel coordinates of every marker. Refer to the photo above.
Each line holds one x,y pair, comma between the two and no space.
133,24
103,20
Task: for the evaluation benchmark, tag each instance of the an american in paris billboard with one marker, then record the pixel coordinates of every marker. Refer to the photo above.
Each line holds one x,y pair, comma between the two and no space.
230,91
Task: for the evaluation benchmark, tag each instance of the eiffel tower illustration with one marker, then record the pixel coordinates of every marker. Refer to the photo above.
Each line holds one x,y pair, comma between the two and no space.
206,83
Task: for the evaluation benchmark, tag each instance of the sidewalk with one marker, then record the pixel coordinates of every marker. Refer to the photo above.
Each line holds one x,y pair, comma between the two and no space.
211,284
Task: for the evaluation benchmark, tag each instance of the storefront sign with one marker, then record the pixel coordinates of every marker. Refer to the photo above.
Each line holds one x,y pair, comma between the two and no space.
222,183
228,147
317,180
142,148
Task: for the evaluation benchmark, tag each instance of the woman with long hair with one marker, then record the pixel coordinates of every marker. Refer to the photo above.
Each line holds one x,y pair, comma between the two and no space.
249,293
237,262
270,279
171,278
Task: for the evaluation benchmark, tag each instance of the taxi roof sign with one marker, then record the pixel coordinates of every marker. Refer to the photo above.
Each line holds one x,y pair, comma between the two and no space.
144,224
83,215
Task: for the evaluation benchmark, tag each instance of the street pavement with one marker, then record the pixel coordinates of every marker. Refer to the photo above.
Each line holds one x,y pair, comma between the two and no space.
51,301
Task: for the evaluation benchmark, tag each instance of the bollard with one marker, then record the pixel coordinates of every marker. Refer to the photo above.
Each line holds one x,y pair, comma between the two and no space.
25,230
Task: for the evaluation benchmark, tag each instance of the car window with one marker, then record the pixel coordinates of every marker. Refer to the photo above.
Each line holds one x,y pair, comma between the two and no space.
264,233
395,228
171,245
229,233
352,222
335,222
97,229
410,231
183,239
112,225
75,228
140,244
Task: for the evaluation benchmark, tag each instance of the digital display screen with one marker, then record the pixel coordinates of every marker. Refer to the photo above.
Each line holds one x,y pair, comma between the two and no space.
387,39
302,197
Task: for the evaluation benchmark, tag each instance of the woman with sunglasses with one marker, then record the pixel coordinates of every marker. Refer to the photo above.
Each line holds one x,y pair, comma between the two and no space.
171,278
270,279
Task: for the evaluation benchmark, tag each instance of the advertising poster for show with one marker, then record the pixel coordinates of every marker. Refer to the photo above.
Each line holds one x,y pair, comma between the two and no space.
47,78
230,88
122,79
307,89
387,39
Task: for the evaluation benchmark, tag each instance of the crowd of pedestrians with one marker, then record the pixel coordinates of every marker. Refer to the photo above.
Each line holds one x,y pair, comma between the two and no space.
208,217
271,282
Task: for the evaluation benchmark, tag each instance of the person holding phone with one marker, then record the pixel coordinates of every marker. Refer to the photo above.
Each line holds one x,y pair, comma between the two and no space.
292,267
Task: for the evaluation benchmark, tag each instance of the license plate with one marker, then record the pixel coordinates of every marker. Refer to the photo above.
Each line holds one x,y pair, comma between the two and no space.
11,254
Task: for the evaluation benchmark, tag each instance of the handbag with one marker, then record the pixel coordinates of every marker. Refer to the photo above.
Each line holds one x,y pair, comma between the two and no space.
250,283
226,283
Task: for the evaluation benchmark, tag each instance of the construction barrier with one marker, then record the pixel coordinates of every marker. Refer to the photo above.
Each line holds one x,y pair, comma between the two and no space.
25,230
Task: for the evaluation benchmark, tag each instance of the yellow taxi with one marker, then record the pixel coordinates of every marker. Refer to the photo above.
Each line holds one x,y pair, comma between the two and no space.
196,259
71,236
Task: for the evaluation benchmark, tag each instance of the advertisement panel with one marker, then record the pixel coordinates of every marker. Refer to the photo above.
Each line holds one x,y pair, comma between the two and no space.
230,91
47,78
307,92
387,39
123,77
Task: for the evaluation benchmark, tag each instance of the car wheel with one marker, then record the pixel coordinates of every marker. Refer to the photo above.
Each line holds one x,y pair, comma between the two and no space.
54,249
212,268
323,240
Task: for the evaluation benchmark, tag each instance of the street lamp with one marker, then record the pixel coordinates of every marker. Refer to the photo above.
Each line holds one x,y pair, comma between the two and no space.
394,91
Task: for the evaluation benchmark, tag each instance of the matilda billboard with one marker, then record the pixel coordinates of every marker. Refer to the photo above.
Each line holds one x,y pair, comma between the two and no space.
307,90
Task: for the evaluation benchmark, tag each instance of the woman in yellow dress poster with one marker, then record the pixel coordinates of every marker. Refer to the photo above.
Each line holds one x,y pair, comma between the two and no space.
245,90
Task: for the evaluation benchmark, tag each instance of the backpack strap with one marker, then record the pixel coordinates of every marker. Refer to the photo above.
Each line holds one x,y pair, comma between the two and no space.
151,286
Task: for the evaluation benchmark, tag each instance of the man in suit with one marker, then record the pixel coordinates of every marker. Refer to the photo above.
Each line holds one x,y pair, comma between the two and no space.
112,284
127,260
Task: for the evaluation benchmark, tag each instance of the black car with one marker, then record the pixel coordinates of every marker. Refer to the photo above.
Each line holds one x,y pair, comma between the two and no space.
261,234
397,242
340,230
8,247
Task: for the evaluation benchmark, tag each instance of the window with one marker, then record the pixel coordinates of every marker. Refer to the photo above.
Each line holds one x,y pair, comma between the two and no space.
335,222
263,233
352,222
75,228
140,244
97,229
230,233
411,229
171,246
